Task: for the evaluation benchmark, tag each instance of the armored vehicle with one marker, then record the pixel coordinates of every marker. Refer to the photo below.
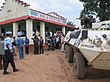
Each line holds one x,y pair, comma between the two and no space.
89,47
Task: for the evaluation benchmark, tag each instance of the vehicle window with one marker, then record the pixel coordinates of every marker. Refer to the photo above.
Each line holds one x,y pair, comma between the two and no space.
108,26
84,34
75,34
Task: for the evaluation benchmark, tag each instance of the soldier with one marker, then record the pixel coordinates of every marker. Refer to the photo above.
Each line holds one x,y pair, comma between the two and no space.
8,53
87,21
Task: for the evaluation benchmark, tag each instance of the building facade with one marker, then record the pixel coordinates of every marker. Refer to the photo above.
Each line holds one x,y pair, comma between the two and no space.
16,15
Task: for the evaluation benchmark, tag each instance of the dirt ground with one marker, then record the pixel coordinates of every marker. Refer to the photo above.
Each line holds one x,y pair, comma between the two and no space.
49,67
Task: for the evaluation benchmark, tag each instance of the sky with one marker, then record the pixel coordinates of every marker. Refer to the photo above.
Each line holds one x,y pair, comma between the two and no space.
68,8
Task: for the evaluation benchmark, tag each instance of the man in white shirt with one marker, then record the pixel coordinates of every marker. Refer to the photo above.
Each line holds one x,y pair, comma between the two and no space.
8,53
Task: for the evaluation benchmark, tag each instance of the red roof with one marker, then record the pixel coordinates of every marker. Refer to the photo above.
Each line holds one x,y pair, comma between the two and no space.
35,18
14,20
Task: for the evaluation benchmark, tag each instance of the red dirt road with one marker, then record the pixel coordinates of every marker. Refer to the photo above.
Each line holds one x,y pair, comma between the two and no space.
49,67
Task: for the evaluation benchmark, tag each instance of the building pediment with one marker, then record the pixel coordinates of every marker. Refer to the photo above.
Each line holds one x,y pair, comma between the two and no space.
13,9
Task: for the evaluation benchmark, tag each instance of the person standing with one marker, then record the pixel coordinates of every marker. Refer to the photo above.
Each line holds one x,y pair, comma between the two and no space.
20,45
57,42
37,33
27,45
36,45
14,44
41,45
1,54
8,54
53,42
62,42
49,43
2,36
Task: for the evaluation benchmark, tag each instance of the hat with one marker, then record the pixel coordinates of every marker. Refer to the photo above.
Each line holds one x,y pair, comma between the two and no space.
8,32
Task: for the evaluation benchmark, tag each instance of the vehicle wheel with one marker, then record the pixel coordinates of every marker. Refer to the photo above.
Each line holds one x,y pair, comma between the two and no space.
79,66
66,51
70,55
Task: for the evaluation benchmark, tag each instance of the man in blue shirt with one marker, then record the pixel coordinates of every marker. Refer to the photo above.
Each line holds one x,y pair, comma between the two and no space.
27,45
8,56
20,44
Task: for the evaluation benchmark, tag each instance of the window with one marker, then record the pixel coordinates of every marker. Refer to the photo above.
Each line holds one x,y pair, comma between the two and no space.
75,34
84,34
108,26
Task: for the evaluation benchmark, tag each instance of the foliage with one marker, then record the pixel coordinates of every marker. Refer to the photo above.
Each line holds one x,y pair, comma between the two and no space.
101,7
71,23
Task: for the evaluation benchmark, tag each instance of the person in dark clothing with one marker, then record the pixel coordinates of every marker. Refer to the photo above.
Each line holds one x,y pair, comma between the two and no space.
14,44
36,45
8,54
49,43
41,46
1,54
53,42
1,59
27,45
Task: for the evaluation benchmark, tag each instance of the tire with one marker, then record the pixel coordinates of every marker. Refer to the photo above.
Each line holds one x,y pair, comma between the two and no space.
66,51
79,66
69,53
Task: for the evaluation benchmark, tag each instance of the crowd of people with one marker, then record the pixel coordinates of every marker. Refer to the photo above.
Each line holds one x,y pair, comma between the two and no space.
53,41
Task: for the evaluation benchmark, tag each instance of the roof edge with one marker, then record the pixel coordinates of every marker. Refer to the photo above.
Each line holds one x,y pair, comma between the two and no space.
32,17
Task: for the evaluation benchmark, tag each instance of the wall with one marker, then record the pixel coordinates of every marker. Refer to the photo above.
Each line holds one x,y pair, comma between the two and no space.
13,9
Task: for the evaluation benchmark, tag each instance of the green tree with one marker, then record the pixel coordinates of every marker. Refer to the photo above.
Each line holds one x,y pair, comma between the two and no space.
101,7
71,23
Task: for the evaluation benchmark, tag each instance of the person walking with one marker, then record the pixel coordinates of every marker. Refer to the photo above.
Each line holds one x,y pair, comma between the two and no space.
20,45
8,54
27,45
41,45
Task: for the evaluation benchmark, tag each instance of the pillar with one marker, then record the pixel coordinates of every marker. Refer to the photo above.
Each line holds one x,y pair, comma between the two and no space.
0,30
15,29
63,30
42,30
29,30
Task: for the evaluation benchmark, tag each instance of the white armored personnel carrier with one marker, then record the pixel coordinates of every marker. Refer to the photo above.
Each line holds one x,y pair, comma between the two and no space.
89,47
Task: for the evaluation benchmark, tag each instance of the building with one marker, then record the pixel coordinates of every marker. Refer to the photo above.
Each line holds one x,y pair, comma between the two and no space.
16,15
